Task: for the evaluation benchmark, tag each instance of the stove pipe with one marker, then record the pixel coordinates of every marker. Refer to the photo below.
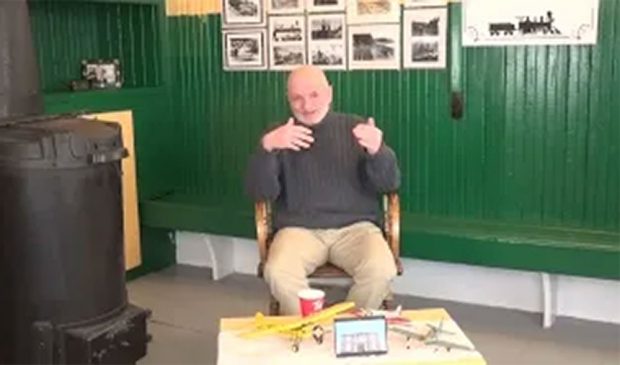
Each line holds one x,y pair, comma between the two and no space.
19,75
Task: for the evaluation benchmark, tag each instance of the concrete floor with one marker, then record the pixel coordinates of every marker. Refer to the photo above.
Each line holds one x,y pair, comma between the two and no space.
187,306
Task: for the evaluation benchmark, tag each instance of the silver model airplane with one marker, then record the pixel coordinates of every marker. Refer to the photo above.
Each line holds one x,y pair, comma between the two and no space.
430,337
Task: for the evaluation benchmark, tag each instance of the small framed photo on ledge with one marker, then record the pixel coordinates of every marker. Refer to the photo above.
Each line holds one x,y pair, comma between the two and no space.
102,74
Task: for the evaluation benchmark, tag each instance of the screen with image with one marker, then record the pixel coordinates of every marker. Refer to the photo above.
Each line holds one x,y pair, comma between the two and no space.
360,336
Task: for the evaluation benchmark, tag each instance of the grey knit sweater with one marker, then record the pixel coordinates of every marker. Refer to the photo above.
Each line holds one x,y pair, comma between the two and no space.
332,184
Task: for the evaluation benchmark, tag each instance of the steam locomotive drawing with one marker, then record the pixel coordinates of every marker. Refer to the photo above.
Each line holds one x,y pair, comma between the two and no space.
526,25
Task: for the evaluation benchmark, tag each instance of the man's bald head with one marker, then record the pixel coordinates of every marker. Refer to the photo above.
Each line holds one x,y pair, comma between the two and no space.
309,94
305,73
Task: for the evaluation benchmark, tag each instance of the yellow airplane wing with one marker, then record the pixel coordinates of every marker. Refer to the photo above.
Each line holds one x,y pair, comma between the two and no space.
300,323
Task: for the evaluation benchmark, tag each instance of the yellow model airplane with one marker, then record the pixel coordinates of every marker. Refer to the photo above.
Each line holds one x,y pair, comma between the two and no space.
297,329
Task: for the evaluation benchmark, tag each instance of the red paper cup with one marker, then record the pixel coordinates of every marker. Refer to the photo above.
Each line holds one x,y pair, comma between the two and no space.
311,301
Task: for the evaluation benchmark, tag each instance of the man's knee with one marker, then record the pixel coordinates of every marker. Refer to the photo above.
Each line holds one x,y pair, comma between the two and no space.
378,269
273,272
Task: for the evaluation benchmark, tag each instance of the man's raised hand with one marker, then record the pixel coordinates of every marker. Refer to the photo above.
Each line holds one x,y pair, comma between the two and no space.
368,136
288,136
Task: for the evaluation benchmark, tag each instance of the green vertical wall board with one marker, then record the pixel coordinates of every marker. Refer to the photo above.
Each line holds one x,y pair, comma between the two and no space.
613,201
575,148
494,131
547,141
407,160
606,97
597,139
510,195
474,138
535,139
157,20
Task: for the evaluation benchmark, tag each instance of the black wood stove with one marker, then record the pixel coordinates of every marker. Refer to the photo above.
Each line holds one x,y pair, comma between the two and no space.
63,297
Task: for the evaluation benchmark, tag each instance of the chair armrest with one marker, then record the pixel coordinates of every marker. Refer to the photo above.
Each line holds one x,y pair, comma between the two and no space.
261,215
392,226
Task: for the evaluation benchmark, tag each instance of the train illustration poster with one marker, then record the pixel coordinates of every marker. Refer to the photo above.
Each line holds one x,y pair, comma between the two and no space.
529,22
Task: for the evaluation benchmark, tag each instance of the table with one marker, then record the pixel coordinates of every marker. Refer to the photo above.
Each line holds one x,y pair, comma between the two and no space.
276,349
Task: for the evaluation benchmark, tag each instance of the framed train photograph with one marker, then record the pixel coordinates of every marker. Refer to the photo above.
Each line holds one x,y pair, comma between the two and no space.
529,22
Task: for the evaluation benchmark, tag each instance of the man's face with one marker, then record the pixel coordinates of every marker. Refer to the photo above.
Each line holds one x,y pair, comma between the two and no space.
309,99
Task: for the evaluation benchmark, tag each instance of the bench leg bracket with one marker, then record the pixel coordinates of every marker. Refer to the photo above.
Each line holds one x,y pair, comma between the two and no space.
549,294
221,255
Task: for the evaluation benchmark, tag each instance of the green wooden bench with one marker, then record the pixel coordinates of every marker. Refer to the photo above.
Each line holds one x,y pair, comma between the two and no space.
555,250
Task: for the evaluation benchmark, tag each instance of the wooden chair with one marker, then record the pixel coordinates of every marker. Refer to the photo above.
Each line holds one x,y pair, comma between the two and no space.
328,272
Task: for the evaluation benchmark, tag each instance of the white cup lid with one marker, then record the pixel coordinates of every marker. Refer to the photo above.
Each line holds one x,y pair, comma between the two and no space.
311,294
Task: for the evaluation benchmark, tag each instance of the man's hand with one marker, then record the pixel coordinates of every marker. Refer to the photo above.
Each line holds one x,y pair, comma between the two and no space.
368,136
288,136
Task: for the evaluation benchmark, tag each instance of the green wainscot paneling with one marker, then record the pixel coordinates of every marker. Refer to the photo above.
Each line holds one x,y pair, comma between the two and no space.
527,179
538,143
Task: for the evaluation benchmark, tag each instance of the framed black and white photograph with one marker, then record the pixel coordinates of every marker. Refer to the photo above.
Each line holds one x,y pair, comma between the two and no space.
102,74
286,6
375,46
529,22
424,37
243,13
424,3
287,42
322,6
326,27
326,41
244,49
328,56
373,11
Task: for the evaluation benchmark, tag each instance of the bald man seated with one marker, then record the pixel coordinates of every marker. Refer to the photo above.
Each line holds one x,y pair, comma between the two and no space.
324,173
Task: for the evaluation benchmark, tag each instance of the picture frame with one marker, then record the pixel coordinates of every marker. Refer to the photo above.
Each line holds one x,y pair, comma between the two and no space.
365,336
244,49
243,13
373,11
102,73
287,42
374,46
425,38
529,22
326,34
324,6
286,6
424,3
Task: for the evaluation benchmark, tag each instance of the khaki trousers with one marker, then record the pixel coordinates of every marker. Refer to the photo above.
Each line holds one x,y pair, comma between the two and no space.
360,249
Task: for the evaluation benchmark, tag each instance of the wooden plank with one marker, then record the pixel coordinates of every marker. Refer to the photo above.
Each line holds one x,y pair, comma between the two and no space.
131,223
192,7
